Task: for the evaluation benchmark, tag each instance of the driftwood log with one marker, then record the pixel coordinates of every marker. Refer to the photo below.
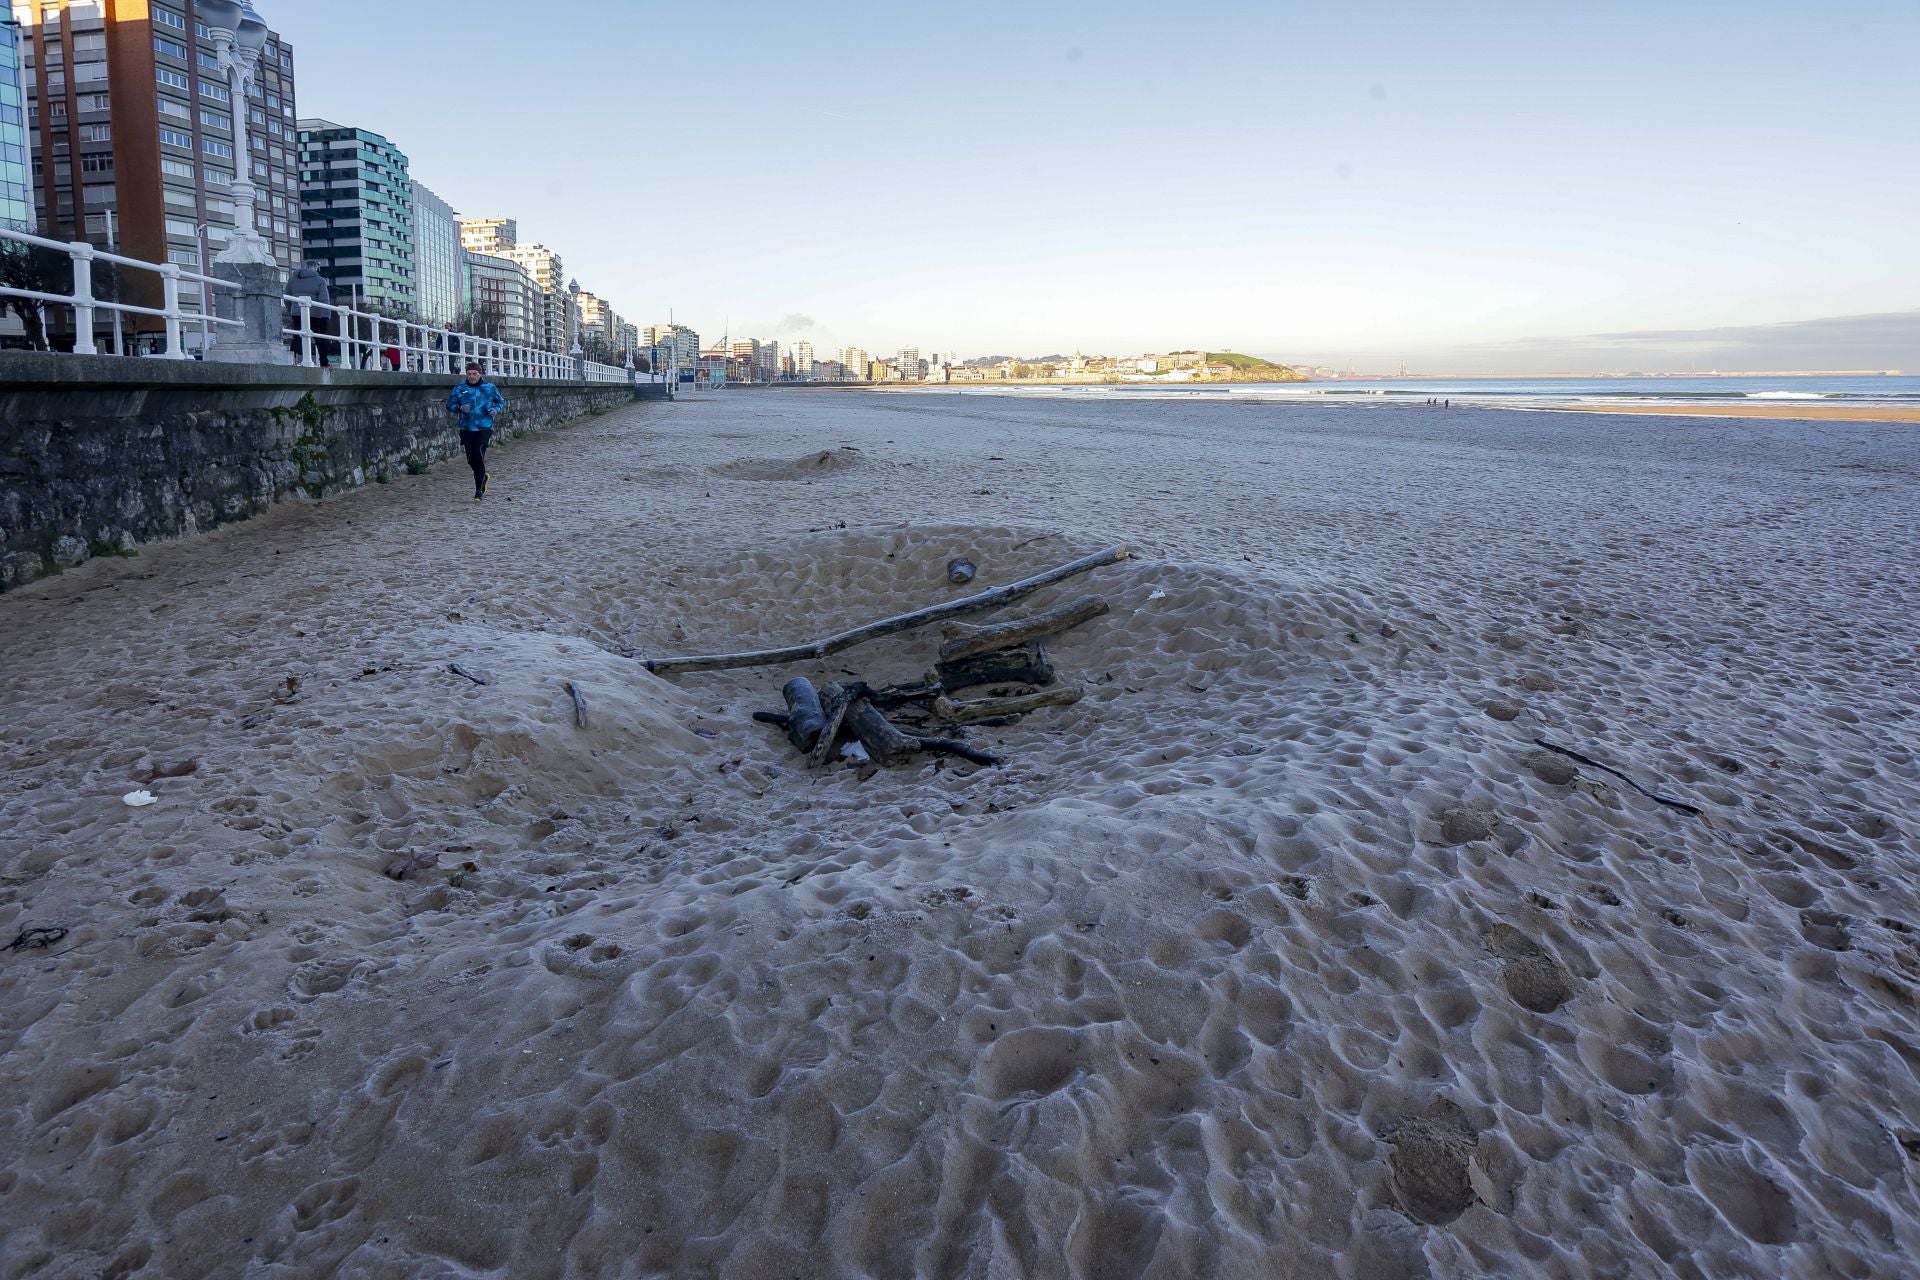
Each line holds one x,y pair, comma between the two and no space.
964,641
805,716
1025,664
996,708
891,745
882,739
985,600
579,705
834,701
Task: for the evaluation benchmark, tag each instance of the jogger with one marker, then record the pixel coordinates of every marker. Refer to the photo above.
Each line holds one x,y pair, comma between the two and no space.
474,402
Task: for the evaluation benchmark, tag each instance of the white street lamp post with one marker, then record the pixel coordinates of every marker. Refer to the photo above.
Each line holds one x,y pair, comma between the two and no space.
238,34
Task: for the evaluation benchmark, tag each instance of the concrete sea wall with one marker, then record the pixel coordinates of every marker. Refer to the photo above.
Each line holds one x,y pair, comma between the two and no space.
99,454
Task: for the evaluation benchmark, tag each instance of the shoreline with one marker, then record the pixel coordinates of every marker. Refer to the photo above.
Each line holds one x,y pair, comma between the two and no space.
1807,413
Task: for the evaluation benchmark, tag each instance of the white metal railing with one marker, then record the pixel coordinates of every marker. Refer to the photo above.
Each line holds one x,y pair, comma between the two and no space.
84,304
320,332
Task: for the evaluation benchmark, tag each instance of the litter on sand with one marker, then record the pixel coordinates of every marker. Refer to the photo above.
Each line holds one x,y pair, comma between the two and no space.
138,799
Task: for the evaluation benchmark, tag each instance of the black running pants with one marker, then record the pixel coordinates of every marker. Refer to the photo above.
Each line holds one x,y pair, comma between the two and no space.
475,443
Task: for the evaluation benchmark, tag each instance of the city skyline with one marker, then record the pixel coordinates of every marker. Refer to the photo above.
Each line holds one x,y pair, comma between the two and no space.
1383,185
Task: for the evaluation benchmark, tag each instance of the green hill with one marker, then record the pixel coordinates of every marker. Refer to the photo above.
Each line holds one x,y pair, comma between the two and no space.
1254,368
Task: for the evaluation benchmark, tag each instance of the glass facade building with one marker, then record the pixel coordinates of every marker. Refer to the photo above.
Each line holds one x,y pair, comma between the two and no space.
439,274
356,215
16,202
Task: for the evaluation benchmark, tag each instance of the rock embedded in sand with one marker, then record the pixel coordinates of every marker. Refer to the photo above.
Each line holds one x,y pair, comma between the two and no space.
1463,826
1552,768
1538,682
1504,709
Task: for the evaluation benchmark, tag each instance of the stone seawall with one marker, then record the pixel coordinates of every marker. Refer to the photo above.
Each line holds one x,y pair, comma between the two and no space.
99,454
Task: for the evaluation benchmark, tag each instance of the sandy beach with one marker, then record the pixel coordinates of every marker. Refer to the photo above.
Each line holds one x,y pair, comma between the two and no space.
1774,412
1288,951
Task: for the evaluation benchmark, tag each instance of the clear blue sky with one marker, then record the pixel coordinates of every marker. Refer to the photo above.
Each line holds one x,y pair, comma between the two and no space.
1375,181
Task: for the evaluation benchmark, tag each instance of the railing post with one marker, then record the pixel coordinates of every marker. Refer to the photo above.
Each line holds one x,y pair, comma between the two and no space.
170,304
82,254
306,333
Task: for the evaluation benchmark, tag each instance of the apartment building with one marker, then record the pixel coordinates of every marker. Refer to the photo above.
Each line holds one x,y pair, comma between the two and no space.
677,345
130,133
502,301
356,214
439,272
803,364
498,237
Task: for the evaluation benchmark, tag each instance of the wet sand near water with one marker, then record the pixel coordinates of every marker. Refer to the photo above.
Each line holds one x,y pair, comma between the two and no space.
1288,951
1794,412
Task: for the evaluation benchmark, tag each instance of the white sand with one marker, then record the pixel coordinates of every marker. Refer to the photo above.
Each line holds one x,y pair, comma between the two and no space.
1278,955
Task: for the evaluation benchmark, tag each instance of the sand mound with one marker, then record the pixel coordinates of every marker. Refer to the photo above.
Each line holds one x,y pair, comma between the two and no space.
810,467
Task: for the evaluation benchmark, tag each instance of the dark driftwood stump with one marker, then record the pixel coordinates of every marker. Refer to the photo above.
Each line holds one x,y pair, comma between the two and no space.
805,716
1024,664
964,641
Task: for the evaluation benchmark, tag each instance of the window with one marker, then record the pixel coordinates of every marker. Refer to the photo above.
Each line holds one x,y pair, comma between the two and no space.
175,138
212,148
180,227
96,133
94,102
215,92
172,78
273,100
256,115
215,119
168,107
179,168
89,42
184,257
174,195
219,177
172,48
168,18
102,163
209,60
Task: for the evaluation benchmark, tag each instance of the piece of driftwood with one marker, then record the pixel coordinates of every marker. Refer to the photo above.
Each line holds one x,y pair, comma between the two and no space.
805,717
1026,664
459,670
965,641
579,705
772,717
1654,796
995,708
952,747
834,701
883,740
984,600
890,745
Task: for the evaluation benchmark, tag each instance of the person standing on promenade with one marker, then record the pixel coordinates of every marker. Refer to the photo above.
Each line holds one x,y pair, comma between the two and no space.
475,402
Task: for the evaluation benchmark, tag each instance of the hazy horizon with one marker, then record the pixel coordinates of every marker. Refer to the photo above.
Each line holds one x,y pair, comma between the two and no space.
1504,189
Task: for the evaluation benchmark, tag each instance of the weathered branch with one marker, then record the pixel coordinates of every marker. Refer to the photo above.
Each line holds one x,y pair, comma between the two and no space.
459,670
952,747
994,708
1654,796
964,641
579,705
985,600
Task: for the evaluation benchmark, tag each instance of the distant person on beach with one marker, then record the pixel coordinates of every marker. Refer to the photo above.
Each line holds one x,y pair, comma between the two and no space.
474,402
